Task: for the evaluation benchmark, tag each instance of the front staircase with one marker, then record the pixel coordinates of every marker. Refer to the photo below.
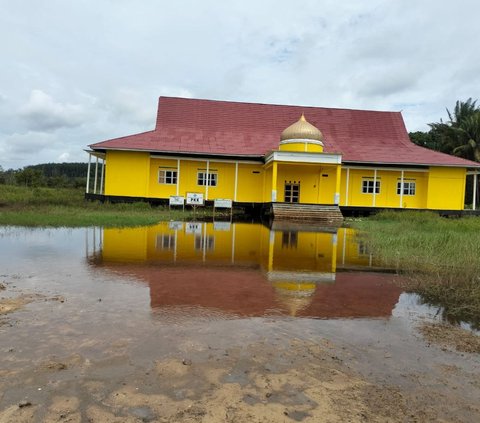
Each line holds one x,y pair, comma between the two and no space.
318,213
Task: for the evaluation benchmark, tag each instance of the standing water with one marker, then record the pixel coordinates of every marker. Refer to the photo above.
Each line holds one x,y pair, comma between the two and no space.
216,322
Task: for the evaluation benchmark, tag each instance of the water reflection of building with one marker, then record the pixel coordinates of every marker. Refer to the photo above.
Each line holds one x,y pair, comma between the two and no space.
249,269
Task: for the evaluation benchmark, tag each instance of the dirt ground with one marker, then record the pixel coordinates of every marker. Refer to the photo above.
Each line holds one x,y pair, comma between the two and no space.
277,377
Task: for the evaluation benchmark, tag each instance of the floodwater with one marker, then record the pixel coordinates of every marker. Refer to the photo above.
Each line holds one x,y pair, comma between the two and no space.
217,322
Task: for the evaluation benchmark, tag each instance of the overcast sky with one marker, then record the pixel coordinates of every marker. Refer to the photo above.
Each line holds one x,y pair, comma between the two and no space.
77,72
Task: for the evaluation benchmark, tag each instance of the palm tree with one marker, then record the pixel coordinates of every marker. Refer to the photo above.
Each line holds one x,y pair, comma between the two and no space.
461,134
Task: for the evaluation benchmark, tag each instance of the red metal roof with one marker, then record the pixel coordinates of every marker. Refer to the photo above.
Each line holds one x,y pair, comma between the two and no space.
195,126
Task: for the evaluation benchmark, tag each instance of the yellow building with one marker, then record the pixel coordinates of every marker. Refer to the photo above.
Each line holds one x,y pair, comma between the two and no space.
260,155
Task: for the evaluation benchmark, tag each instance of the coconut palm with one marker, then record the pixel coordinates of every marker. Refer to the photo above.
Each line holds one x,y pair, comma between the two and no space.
461,134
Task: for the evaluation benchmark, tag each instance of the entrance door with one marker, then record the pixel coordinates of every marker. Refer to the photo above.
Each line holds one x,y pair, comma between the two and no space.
292,192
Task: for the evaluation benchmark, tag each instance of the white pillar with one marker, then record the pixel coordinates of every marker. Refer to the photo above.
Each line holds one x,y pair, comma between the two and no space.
207,180
233,243
88,173
96,176
102,176
178,176
474,205
401,189
374,187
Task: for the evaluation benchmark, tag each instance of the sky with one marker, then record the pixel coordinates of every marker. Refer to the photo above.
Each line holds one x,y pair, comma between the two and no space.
78,72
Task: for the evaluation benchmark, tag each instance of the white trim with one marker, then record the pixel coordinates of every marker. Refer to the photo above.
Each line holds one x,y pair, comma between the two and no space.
236,182
178,177
96,153
301,141
260,158
466,166
190,159
312,277
388,169
301,157
401,189
374,187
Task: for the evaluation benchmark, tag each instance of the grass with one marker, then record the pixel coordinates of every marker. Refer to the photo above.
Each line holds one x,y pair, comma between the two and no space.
439,256
65,207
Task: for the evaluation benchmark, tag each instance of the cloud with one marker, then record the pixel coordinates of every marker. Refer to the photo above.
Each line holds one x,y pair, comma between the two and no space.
87,71
43,113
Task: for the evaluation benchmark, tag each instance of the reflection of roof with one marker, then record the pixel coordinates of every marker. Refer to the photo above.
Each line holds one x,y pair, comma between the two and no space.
245,292
245,129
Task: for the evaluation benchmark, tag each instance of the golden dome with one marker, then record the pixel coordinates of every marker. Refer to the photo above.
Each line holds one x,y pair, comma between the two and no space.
302,130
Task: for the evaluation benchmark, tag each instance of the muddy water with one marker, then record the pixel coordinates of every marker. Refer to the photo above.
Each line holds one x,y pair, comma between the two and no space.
217,322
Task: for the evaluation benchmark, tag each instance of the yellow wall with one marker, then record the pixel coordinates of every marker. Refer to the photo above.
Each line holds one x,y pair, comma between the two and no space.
136,174
317,183
301,146
239,243
249,185
126,173
446,188
388,196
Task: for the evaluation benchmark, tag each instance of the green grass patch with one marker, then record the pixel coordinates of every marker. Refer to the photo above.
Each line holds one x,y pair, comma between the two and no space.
439,256
64,207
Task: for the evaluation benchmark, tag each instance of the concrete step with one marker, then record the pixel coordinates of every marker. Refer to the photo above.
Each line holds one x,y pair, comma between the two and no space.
307,212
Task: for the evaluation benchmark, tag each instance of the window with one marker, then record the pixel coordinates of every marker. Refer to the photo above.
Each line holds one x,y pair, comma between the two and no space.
207,243
292,192
367,186
204,178
408,188
289,239
167,176
165,242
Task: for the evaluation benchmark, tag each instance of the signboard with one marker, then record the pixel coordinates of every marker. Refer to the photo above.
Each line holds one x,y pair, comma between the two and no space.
176,200
175,225
222,203
194,199
193,228
221,226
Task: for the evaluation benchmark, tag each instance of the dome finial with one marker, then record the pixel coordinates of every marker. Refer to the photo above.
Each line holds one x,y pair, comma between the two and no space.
301,129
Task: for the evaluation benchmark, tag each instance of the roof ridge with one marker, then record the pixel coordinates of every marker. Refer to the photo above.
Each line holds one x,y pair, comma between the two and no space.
251,103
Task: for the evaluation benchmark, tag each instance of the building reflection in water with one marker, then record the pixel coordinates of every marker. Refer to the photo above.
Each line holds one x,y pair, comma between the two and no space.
248,269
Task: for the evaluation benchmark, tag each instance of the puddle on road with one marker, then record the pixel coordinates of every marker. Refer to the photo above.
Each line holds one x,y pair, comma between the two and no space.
117,305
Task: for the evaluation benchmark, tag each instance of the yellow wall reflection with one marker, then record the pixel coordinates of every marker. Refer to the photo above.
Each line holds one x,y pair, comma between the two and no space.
247,268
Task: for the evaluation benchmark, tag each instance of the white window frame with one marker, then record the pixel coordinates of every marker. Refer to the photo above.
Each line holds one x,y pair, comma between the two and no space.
409,187
368,184
202,178
167,176
165,242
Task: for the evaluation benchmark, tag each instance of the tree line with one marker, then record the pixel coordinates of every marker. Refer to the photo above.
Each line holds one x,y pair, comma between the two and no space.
458,136
63,175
